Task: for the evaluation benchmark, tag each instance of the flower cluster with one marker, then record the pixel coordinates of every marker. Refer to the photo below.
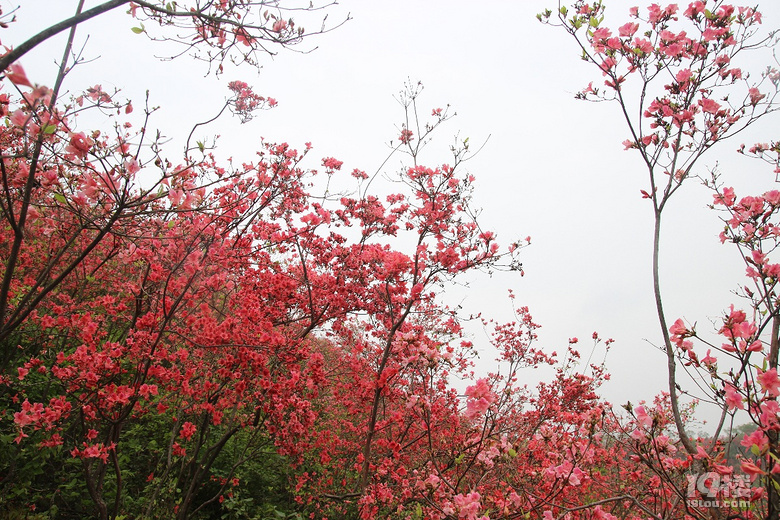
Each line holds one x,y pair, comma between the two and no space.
246,101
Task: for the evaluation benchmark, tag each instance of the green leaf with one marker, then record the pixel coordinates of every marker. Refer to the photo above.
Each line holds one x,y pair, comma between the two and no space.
563,11
459,459
59,197
755,450
512,452
138,30
594,22
49,129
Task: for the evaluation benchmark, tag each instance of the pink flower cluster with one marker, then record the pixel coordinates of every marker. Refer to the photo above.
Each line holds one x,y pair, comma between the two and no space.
480,397
246,101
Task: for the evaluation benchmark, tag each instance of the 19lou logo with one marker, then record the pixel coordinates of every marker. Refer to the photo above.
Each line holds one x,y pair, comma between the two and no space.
715,490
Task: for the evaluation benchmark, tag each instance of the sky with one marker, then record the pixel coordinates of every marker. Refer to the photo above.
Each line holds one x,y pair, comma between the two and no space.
551,167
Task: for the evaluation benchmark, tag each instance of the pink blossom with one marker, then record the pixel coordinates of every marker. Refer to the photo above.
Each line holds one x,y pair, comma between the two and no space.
279,26
602,33
725,11
642,417
736,316
480,397
694,9
709,106
643,45
588,90
701,453
769,412
332,164
709,360
97,94
755,96
733,399
727,198
600,514
678,328
577,476
79,145
468,505
679,332
131,166
683,76
628,30
672,49
751,469
654,13
772,197
742,329
16,75
432,482
608,64
770,382
722,60
758,439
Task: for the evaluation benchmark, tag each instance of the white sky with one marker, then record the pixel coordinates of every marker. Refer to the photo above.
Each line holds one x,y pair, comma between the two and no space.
553,167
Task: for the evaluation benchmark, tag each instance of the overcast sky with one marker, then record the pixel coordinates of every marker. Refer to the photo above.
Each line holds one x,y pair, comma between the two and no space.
552,167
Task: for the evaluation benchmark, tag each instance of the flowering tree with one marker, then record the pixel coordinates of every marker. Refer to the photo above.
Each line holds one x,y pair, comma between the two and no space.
175,348
159,338
676,77
226,341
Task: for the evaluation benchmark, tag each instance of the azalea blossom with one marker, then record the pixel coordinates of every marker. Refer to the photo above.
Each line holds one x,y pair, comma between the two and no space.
751,469
769,381
480,397
16,75
733,398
